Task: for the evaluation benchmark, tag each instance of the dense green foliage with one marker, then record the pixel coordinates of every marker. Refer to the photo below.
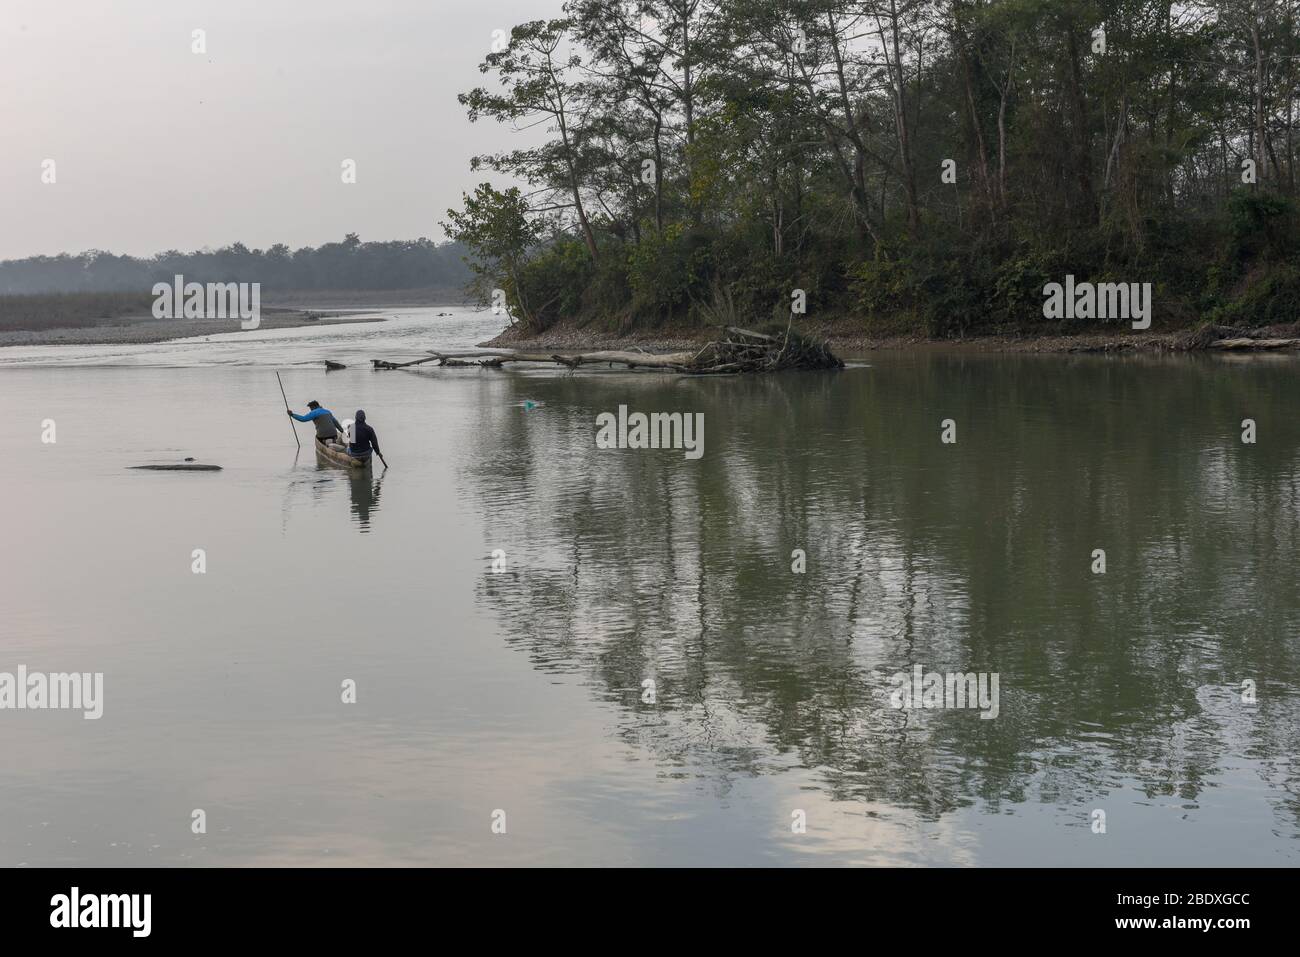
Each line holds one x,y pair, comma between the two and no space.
350,264
922,165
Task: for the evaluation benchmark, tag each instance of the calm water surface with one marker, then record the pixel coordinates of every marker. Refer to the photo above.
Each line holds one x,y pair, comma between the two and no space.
522,690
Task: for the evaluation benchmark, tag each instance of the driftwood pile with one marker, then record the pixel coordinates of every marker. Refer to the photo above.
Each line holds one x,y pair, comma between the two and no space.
745,351
740,351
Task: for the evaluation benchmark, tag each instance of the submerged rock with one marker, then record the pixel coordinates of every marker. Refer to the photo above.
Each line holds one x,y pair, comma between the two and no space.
186,466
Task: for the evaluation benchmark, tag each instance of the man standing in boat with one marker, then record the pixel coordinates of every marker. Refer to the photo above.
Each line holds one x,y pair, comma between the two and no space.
328,428
362,439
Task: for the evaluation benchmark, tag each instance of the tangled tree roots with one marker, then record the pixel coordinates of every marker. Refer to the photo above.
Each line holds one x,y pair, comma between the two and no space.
741,351
745,351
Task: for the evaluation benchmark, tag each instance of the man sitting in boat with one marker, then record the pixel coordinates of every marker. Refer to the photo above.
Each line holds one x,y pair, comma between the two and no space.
363,439
327,427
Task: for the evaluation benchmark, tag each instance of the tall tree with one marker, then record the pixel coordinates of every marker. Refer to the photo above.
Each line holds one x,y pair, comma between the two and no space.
537,73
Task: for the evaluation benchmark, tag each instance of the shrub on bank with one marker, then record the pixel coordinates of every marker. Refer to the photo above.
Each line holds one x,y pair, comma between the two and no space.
666,271
553,282
1270,295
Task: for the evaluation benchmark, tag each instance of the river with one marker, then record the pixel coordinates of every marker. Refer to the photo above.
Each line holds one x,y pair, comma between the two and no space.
501,595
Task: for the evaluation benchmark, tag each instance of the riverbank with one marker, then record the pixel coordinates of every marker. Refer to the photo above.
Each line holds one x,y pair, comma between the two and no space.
367,299
846,338
843,338
137,330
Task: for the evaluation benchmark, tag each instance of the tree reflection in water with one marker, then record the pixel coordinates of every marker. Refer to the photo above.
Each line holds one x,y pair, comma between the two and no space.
970,557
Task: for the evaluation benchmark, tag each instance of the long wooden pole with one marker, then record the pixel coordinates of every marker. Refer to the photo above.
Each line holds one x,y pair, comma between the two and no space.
286,408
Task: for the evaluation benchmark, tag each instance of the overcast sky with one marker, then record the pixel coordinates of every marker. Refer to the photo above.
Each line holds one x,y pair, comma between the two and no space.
160,148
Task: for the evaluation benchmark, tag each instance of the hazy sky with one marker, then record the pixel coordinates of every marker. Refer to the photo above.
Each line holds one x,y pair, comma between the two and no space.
157,147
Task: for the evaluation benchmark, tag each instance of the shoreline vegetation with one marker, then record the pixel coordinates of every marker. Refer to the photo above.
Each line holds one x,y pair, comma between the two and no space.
892,174
126,319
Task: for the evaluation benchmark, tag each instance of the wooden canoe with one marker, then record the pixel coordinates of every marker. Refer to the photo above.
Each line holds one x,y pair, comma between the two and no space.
339,458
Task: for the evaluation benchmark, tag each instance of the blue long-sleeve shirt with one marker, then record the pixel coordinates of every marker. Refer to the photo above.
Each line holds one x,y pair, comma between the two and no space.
327,427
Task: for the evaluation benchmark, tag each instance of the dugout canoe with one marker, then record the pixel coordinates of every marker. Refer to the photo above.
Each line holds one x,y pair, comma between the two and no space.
339,458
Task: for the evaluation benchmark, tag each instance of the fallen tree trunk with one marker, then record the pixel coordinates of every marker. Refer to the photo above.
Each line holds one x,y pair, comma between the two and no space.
650,360
385,364
741,351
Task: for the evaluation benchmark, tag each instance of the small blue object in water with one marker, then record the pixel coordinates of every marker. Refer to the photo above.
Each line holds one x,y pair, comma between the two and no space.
529,404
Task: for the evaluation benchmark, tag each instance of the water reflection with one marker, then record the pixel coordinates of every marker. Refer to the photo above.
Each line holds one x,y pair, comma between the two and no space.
1119,691
635,565
364,487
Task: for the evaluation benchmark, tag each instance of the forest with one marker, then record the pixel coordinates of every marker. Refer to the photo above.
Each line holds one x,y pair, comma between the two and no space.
347,265
920,167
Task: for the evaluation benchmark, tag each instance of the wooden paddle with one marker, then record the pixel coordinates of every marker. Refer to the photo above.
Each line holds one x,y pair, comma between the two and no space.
286,408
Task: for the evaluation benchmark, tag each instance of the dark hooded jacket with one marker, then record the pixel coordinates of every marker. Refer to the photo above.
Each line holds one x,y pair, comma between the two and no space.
364,439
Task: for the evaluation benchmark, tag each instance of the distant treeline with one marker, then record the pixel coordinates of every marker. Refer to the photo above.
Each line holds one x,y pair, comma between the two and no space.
928,165
347,265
